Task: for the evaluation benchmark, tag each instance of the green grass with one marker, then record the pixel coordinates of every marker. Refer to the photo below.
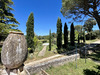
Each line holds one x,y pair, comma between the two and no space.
70,68
53,47
47,53
90,68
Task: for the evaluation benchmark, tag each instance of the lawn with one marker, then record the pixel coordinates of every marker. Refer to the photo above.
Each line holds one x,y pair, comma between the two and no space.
88,68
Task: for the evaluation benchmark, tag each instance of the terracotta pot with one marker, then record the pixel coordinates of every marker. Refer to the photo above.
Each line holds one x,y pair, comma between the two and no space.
14,50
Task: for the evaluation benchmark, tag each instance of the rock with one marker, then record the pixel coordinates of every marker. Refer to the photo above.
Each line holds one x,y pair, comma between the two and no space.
14,50
5,73
90,52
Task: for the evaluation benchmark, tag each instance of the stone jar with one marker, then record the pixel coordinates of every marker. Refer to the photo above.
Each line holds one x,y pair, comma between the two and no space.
14,50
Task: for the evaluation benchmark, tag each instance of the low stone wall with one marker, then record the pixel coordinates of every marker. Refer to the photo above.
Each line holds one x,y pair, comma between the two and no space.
54,62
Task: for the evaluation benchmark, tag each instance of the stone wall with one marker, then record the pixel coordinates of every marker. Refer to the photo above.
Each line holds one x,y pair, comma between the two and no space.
54,62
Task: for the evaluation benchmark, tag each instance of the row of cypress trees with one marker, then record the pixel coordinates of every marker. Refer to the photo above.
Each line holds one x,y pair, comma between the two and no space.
72,35
30,34
59,35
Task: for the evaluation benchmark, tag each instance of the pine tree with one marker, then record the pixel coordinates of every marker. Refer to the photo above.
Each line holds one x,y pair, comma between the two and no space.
50,40
65,35
7,20
30,32
72,35
59,34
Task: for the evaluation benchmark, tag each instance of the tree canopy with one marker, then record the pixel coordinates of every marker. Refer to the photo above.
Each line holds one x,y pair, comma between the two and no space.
7,20
78,28
88,25
79,9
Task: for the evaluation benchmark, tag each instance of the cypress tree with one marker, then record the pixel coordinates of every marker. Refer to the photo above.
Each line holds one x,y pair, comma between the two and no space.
59,34
50,40
84,37
30,32
65,35
78,39
72,35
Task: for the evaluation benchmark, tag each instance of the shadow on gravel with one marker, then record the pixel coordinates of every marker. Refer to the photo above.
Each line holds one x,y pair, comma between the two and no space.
95,55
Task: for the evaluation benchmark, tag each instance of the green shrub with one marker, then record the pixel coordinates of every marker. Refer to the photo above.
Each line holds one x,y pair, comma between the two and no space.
30,50
35,39
44,41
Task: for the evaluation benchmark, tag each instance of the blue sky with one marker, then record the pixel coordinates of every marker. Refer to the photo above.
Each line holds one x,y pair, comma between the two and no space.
46,13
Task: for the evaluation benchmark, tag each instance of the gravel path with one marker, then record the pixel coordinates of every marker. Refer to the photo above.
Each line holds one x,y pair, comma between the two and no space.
96,42
42,52
45,44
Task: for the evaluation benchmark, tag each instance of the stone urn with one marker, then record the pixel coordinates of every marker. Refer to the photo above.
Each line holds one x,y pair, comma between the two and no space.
14,50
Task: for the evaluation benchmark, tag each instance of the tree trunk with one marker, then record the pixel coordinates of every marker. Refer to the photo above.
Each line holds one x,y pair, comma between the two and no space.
97,17
98,21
